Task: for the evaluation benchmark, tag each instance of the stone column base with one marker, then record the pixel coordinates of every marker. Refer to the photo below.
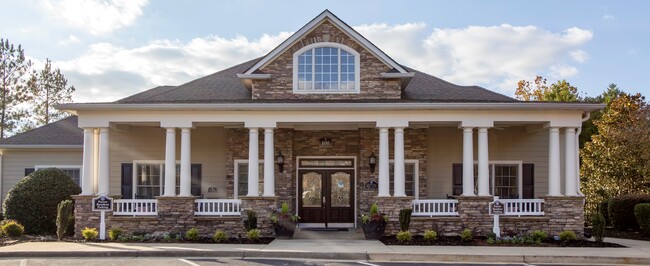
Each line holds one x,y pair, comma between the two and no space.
391,206
263,207
475,214
565,213
84,216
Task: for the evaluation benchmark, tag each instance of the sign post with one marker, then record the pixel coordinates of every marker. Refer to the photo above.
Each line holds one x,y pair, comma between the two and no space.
102,204
496,209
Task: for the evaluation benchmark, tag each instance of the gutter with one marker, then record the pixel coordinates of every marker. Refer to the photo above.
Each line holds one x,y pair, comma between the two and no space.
287,106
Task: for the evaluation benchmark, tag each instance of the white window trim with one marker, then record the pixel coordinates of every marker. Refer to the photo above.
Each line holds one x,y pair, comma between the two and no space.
357,68
235,193
416,176
63,166
520,175
134,176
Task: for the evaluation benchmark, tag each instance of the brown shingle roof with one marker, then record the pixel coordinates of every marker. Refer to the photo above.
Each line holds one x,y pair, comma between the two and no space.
62,132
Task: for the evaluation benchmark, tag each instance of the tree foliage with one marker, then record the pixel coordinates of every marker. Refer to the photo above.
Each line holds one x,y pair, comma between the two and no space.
617,160
538,90
46,89
13,66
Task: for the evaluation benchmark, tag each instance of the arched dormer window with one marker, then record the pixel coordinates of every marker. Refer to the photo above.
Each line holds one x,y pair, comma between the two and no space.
326,67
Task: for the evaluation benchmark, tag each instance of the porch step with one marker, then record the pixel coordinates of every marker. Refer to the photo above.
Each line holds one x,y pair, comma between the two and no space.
350,234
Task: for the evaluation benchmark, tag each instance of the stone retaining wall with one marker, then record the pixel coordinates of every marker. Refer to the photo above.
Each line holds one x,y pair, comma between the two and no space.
391,207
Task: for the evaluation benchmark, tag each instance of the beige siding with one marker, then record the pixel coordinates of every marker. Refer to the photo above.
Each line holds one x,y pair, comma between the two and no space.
148,143
445,147
14,163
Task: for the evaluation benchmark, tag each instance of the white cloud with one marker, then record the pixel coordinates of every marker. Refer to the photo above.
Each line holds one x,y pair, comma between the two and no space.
70,40
608,17
495,57
107,72
96,16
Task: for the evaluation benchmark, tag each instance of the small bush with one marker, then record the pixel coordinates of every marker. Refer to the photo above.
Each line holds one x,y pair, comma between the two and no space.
598,226
602,208
114,234
64,219
404,236
251,220
89,234
405,219
466,235
642,214
33,201
254,234
192,234
219,236
621,211
430,235
538,235
12,229
491,235
568,235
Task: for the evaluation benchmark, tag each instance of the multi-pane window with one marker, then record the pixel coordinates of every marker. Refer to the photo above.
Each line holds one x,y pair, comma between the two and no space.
150,180
504,180
410,172
326,69
242,178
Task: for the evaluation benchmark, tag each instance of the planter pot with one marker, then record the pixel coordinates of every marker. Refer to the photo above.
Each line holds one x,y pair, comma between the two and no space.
373,230
284,229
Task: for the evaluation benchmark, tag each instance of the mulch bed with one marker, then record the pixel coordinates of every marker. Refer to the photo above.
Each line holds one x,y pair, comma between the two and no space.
456,241
610,232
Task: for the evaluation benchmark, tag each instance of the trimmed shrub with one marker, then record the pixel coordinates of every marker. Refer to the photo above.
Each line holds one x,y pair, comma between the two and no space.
642,214
404,236
251,220
65,219
115,233
602,208
568,235
405,219
254,234
219,236
621,210
538,235
192,234
33,201
466,235
430,235
89,234
12,229
598,226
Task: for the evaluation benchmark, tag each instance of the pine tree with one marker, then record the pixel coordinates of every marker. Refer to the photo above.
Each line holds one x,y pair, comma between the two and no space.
13,66
47,88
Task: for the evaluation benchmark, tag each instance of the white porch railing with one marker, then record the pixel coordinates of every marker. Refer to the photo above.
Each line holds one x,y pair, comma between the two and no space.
523,207
447,207
136,207
219,207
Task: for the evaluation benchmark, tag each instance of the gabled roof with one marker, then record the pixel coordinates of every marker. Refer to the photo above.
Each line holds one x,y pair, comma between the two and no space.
62,133
313,24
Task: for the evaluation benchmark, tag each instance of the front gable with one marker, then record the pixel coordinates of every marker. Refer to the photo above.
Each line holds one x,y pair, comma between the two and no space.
367,78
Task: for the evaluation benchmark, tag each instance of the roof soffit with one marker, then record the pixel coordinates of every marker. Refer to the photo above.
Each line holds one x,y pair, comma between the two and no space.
315,23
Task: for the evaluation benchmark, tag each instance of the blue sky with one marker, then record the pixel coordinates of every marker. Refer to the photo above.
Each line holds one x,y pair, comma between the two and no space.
112,49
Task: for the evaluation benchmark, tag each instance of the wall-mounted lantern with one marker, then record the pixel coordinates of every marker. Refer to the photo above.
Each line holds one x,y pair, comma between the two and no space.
279,159
372,161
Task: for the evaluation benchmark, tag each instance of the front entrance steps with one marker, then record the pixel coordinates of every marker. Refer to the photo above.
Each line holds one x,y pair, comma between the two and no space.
350,234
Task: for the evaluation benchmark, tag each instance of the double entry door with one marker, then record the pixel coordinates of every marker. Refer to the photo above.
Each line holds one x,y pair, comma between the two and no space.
326,197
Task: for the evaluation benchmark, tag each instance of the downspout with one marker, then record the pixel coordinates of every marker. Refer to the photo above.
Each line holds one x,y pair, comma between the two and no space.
1,179
585,117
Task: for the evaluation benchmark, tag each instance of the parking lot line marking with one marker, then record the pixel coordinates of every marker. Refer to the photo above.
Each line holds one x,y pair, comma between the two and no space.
188,262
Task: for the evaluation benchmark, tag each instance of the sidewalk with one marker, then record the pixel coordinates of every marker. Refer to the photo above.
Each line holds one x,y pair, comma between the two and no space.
638,252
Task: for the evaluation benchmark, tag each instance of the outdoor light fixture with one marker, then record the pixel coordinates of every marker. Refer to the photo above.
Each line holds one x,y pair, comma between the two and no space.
279,159
372,161
325,141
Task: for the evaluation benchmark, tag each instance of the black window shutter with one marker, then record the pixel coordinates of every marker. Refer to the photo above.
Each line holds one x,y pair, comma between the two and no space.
127,180
196,179
29,171
457,176
528,180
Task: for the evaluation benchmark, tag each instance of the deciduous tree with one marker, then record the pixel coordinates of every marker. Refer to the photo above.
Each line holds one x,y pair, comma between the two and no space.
561,91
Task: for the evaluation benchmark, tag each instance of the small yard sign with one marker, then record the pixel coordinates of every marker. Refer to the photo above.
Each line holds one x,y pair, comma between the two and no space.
102,204
496,208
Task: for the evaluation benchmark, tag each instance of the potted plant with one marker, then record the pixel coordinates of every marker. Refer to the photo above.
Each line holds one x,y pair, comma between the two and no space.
374,223
284,222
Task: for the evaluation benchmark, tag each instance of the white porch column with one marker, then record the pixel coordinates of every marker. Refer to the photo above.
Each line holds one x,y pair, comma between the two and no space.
102,187
577,162
95,166
170,163
483,163
186,170
554,162
468,162
384,181
269,169
570,188
253,163
399,174
88,162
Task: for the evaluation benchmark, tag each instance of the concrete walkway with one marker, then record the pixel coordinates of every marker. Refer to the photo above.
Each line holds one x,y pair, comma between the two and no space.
638,252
